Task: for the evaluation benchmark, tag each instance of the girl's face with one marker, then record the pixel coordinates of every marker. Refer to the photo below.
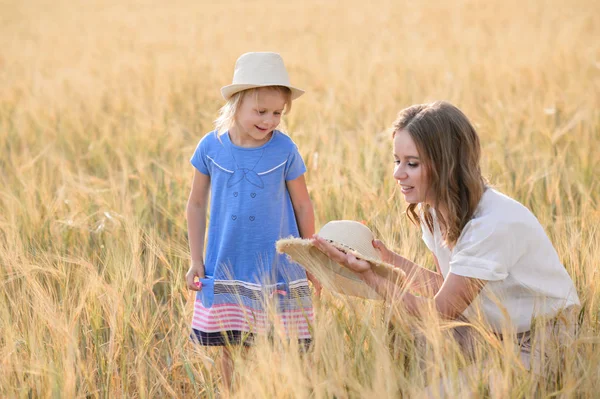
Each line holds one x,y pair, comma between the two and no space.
409,172
258,115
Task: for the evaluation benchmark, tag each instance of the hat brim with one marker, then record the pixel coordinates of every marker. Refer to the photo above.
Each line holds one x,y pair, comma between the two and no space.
333,275
230,90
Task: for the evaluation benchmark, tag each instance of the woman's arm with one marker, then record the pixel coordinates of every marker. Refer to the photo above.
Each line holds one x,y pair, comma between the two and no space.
455,294
196,222
305,215
421,280
381,285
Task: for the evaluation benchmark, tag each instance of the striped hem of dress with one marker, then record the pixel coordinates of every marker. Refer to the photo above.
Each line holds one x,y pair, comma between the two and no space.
231,317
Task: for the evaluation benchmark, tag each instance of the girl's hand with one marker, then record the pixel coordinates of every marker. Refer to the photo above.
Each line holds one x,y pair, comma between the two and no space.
315,283
386,255
350,261
196,270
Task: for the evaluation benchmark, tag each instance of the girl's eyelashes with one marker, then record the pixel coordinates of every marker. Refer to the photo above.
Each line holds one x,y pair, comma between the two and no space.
263,111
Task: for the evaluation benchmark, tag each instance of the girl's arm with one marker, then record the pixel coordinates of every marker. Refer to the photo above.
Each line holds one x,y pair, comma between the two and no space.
196,223
305,215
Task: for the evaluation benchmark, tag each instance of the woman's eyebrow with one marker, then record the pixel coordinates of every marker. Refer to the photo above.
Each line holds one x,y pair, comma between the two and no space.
408,157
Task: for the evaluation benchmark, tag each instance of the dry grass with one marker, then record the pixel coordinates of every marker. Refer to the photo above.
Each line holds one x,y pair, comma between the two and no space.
103,102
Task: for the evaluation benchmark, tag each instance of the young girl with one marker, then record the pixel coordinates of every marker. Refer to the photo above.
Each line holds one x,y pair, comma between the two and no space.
255,176
494,260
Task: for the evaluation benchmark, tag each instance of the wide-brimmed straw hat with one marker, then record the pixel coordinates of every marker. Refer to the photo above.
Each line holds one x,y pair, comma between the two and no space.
350,237
259,69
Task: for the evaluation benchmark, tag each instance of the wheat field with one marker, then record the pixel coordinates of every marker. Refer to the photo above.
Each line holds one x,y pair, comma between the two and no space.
103,102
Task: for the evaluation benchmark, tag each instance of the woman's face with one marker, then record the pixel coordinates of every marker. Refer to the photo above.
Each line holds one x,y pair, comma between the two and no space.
409,172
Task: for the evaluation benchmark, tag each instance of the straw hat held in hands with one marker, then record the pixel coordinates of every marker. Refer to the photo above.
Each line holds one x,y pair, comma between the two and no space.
341,253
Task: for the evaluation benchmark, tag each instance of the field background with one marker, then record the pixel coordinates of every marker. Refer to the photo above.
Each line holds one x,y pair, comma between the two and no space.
103,102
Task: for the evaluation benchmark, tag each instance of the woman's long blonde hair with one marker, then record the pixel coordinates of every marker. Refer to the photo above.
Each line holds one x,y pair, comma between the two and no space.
450,151
228,111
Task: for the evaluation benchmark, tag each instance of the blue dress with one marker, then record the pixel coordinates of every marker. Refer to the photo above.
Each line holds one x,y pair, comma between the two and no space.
250,209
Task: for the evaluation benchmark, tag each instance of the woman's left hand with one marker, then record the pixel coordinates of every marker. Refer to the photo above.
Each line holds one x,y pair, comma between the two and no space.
350,261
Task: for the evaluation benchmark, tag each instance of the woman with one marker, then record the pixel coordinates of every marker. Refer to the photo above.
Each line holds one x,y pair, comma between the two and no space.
493,258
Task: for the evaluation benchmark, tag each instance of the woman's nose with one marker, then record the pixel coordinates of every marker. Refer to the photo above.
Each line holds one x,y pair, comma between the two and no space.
399,173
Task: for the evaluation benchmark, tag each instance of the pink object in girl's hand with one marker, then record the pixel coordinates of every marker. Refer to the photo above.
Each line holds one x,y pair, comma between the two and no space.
198,284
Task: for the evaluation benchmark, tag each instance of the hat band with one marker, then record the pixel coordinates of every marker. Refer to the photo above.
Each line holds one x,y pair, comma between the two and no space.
342,245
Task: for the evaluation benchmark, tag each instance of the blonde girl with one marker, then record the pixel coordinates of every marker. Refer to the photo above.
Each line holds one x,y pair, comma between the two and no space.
255,177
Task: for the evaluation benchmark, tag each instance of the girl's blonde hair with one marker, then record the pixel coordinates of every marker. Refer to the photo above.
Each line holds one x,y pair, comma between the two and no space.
228,111
449,148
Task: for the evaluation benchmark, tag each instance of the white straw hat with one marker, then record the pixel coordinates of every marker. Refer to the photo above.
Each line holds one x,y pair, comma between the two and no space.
350,237
259,69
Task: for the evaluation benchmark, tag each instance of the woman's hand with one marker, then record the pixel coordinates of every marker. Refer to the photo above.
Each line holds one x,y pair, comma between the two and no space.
196,270
386,255
350,261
